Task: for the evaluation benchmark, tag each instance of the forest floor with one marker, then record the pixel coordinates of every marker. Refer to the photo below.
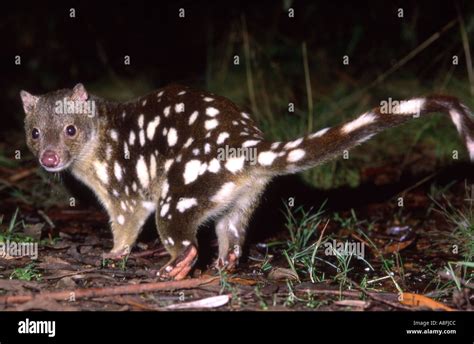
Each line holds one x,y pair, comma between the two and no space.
411,249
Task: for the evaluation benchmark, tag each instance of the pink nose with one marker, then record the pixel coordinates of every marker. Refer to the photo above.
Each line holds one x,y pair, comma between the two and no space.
49,159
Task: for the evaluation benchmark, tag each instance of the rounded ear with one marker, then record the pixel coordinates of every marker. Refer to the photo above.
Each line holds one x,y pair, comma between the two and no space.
29,101
79,92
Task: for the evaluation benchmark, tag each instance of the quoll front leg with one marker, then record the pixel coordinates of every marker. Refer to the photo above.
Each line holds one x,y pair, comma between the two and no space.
126,221
177,226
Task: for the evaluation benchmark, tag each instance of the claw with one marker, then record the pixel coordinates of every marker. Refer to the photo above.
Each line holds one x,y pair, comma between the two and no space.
230,262
117,254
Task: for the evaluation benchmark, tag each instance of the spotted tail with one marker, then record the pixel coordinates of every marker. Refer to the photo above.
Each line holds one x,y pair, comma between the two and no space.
314,149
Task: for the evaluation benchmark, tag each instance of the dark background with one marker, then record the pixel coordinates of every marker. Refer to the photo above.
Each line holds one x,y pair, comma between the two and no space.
57,51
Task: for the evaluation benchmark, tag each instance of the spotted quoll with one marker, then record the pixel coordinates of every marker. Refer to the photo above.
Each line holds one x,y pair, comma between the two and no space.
161,153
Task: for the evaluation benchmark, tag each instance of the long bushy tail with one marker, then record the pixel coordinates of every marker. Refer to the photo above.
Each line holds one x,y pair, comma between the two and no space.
311,150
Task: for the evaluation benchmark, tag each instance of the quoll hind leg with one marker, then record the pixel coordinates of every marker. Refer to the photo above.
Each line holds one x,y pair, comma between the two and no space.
177,231
230,230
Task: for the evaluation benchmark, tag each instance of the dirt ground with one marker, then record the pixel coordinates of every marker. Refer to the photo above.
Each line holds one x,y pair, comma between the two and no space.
404,266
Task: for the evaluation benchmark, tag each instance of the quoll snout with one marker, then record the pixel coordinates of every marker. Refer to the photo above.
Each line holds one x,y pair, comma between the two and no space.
50,159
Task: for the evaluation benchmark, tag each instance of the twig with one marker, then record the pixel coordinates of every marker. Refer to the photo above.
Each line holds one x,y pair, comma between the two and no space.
309,93
22,174
46,218
248,70
109,291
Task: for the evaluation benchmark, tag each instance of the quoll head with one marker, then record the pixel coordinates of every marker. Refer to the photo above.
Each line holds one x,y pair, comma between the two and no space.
58,125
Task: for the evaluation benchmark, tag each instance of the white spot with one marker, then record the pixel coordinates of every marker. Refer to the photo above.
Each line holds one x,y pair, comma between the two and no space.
123,206
108,152
181,93
188,142
134,186
250,143
211,124
152,166
233,229
295,155
150,129
124,114
166,111
361,121
224,195
191,171
101,171
212,111
126,151
293,144
185,203
170,241
141,120
457,119
114,135
121,219
150,206
115,193
164,209
196,151
193,117
244,115
235,123
165,188
132,138
118,171
470,147
172,137
179,107
266,158
319,133
142,172
142,137
235,164
203,168
222,137
208,99
275,145
168,164
207,148
186,243
160,93
165,131
214,166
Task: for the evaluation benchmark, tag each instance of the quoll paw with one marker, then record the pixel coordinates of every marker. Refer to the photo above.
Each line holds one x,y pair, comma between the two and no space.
228,263
179,268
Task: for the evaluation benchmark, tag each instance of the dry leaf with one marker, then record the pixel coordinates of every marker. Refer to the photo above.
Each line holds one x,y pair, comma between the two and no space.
416,300
210,302
352,303
279,274
397,246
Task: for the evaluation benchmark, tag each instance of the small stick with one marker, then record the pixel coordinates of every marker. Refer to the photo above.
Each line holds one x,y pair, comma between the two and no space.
110,291
46,218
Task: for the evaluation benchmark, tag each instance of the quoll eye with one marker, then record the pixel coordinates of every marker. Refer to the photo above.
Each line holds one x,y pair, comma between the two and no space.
35,133
71,130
